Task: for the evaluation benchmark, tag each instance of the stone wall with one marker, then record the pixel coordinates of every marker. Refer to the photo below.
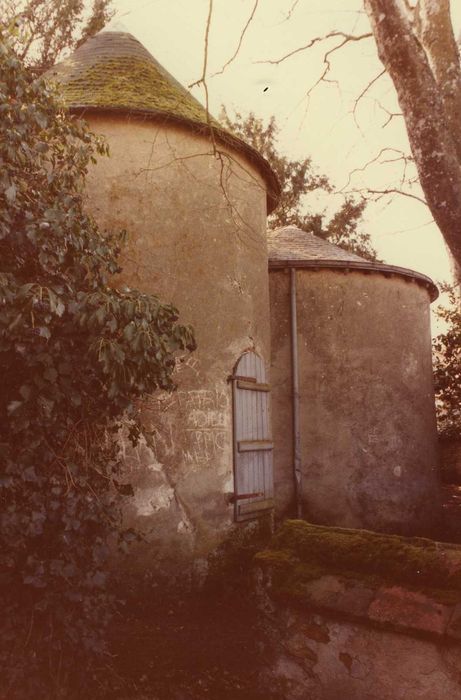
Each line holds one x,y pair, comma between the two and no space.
326,655
359,634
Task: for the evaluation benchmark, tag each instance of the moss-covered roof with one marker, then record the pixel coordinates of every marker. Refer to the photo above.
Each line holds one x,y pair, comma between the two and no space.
114,71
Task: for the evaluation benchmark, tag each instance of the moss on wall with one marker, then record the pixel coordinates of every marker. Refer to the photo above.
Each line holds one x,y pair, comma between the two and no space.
300,552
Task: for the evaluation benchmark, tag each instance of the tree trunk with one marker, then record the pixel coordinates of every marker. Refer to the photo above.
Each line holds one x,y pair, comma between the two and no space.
420,54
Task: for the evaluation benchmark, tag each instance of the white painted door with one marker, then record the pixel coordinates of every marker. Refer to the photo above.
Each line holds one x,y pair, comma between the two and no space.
253,476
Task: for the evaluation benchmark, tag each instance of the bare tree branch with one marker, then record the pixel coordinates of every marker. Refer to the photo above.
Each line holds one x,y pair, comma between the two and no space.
402,156
225,159
291,10
242,35
390,115
412,228
364,92
347,38
387,191
202,79
326,60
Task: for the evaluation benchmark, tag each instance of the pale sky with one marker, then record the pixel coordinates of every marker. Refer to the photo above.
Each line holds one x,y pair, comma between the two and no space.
322,125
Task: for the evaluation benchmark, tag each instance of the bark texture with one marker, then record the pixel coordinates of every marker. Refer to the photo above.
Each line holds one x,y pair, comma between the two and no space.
418,49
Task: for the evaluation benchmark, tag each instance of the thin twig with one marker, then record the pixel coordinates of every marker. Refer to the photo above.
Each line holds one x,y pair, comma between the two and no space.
291,10
234,55
201,80
388,191
412,228
402,156
363,93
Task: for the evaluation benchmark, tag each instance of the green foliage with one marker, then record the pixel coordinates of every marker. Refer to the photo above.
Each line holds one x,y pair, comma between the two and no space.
50,27
75,355
297,179
447,367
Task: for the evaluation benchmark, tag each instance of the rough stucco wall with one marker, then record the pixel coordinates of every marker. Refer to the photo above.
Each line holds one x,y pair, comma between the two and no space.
367,404
321,658
282,408
196,237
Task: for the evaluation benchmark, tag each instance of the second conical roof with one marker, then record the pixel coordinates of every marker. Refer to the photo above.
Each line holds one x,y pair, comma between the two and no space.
292,243
290,246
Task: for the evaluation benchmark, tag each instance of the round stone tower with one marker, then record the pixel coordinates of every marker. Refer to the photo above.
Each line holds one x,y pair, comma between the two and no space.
365,454
193,200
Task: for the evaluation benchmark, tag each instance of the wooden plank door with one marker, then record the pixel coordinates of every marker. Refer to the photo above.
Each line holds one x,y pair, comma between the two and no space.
253,476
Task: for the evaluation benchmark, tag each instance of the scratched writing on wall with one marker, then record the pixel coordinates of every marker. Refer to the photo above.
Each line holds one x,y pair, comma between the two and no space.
195,423
206,425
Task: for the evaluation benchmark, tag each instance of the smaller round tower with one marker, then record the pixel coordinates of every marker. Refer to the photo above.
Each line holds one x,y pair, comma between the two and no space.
363,445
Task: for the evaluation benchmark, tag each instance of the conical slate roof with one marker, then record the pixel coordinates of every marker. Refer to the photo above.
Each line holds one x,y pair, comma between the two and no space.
113,71
290,246
292,243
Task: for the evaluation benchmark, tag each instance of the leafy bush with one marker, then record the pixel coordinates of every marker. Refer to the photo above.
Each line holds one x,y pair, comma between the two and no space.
75,355
447,368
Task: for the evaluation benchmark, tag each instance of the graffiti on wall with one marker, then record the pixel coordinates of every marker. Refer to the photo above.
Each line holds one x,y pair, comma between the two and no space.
193,425
206,423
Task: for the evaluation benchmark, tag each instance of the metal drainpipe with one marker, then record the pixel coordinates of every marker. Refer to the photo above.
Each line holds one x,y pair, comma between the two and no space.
295,394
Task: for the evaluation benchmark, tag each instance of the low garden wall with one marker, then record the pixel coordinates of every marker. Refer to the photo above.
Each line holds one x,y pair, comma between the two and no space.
355,615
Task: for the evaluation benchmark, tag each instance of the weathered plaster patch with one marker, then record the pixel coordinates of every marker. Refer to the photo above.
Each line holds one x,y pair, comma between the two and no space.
359,662
149,501
411,366
235,284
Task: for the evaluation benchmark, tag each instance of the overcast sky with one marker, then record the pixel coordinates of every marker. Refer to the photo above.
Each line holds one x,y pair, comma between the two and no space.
320,125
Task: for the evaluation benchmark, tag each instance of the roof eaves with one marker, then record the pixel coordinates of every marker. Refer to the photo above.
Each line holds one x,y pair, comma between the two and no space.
215,133
365,267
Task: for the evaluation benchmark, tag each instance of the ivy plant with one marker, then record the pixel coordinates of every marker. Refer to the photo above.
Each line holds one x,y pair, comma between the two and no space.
76,355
